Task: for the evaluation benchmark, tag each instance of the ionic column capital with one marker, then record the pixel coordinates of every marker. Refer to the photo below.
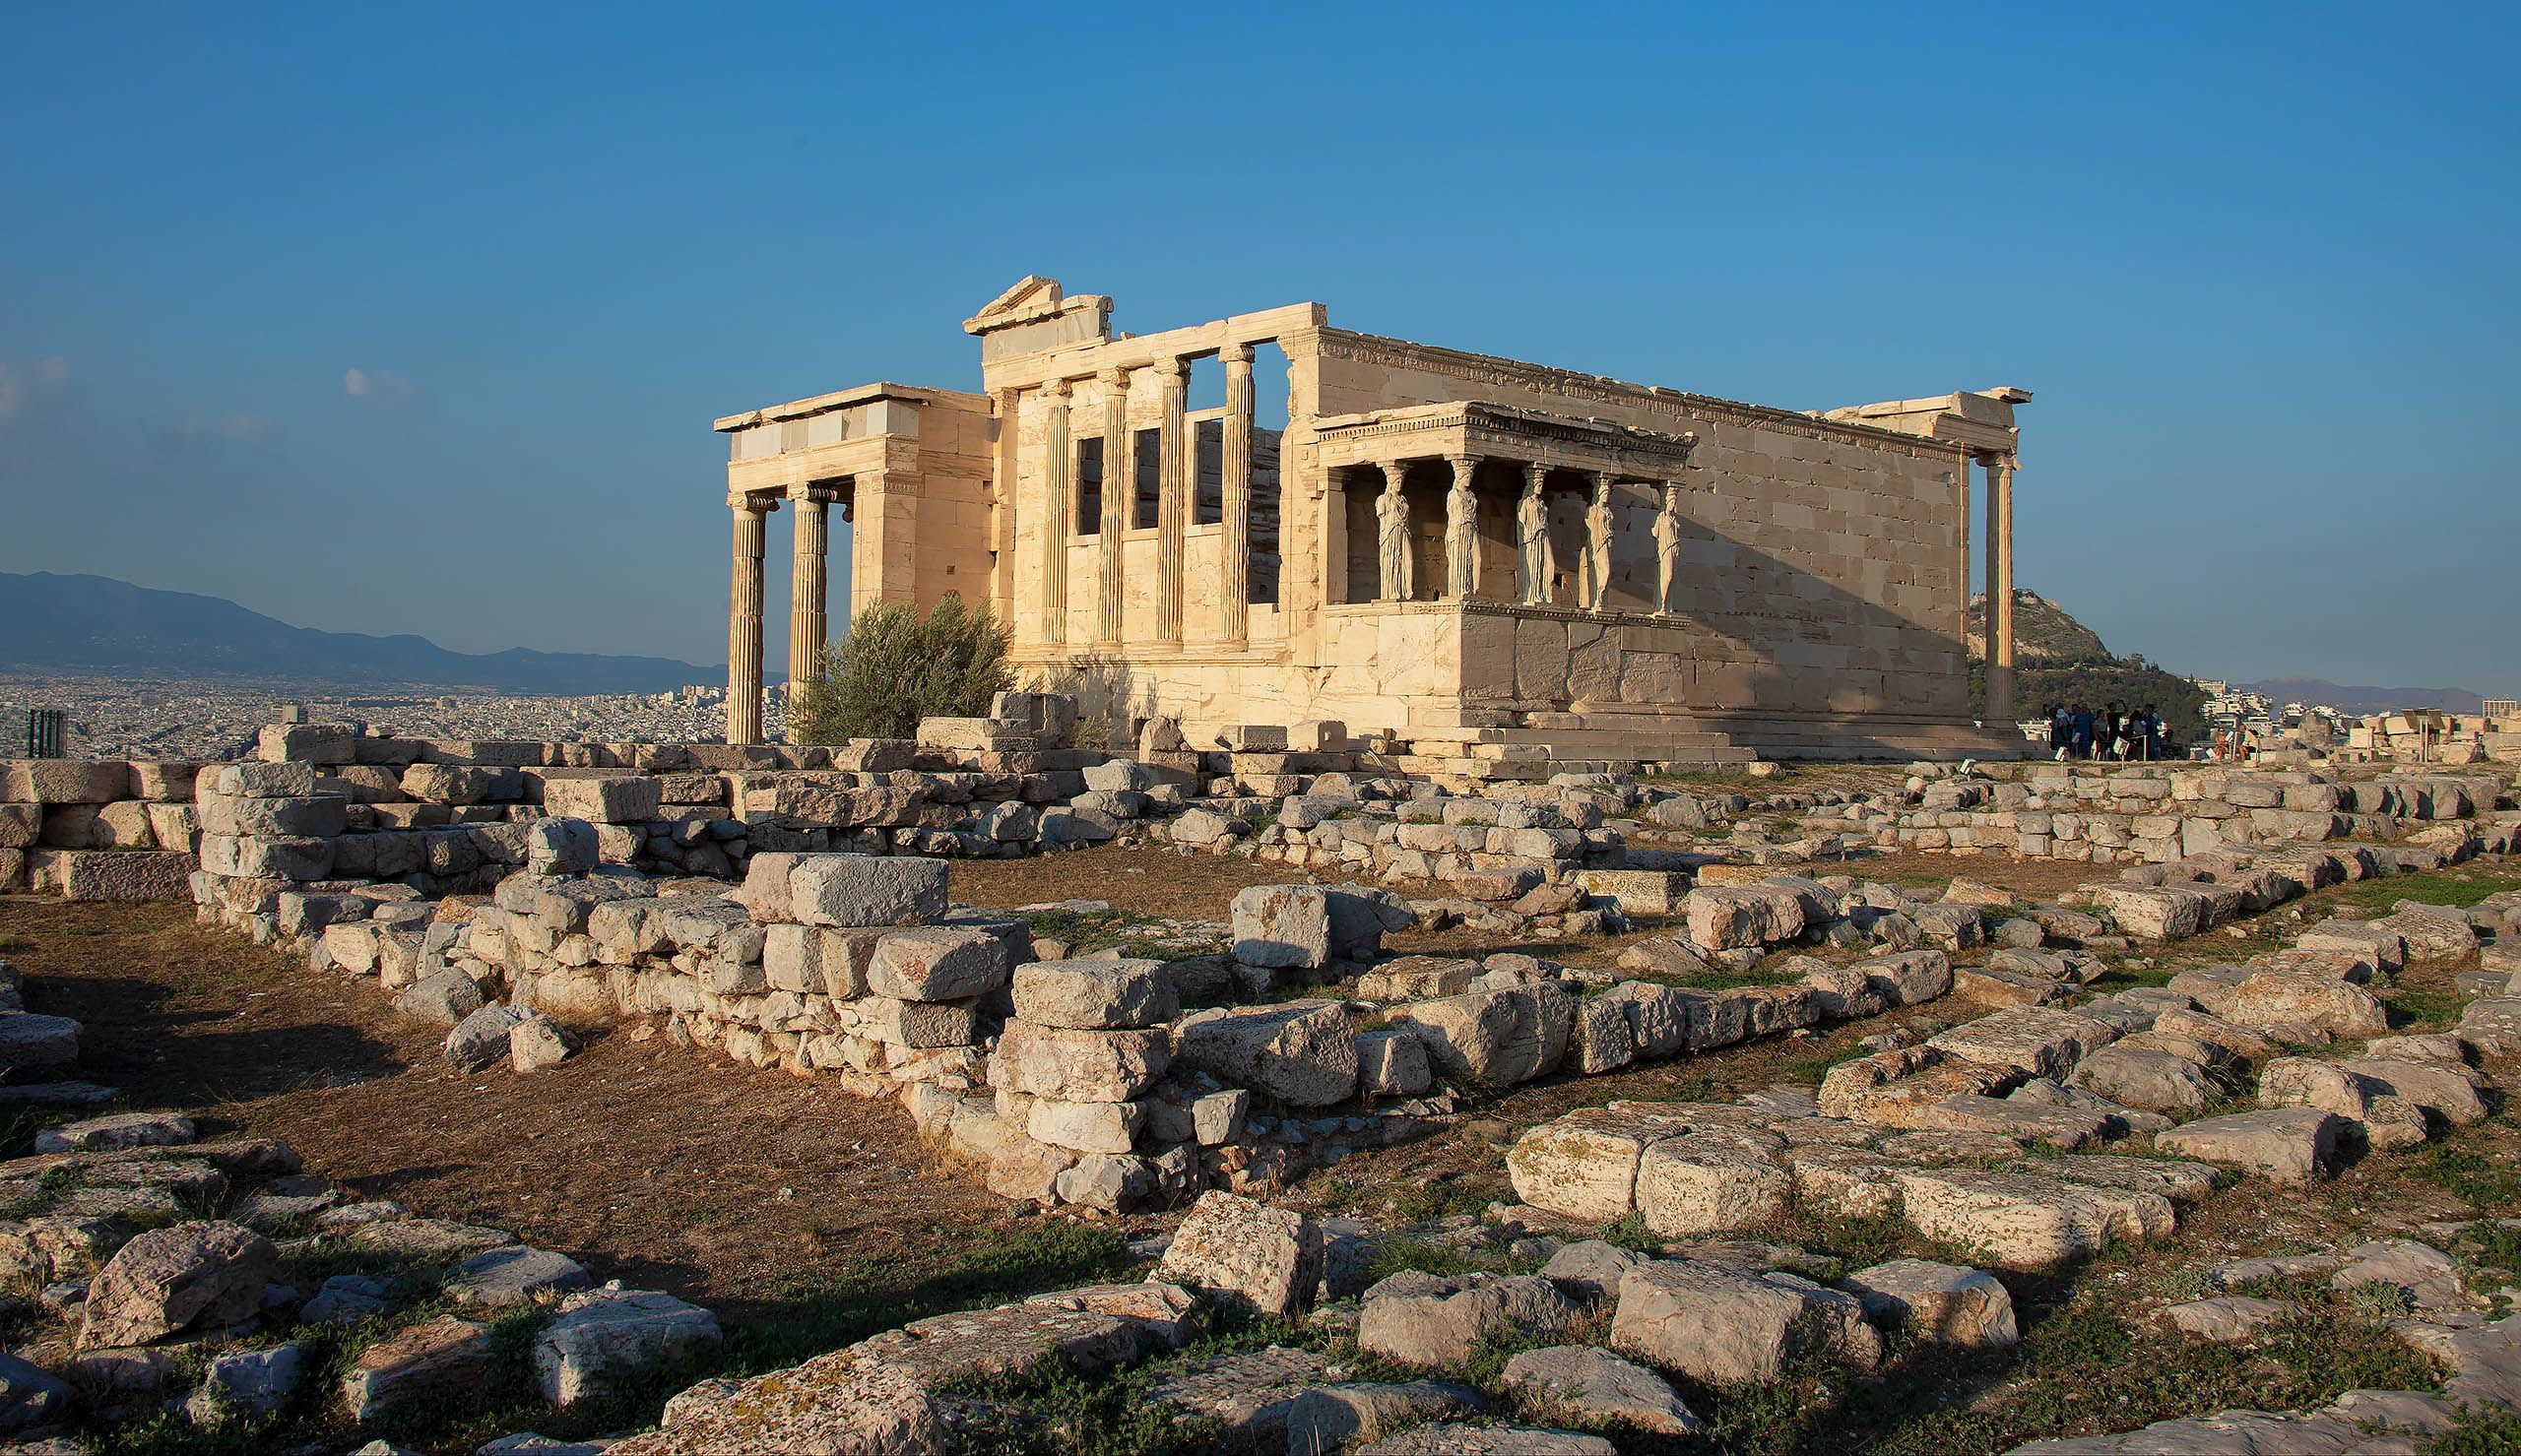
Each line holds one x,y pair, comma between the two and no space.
1172,371
1056,390
1236,354
1113,376
745,502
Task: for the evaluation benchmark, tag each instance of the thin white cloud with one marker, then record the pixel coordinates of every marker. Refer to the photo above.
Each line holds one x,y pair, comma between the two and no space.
385,391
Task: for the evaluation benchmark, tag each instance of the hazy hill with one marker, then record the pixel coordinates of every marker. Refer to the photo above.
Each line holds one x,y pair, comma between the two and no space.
2042,632
2060,661
52,623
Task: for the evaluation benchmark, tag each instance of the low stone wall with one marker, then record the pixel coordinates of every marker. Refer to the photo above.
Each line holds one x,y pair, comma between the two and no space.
1079,1082
2148,814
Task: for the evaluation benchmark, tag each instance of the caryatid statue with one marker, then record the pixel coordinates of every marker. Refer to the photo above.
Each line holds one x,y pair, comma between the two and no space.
1392,533
1532,531
1668,550
1598,545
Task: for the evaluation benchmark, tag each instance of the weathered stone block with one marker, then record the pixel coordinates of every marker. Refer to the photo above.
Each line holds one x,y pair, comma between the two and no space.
1302,1053
866,889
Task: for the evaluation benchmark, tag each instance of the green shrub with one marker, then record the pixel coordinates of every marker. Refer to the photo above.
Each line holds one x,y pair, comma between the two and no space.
895,668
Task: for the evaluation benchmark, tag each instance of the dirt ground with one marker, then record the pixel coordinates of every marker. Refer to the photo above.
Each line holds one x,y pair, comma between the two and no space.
670,1167
1143,881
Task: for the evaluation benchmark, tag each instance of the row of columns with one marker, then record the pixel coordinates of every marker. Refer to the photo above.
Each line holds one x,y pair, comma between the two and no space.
1173,490
808,615
1535,554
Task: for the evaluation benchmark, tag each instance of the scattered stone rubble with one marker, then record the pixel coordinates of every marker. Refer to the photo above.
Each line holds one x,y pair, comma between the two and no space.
1941,1132
111,1230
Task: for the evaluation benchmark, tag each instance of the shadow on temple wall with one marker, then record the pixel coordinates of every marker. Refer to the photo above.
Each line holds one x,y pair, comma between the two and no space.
1798,635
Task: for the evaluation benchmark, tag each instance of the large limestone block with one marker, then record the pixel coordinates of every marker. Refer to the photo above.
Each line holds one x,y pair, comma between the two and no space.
1846,1181
1084,1127
2145,1078
1658,1016
437,1359
1602,1041
1500,1036
1732,917
1904,1087
261,780
2446,1089
204,1276
2026,1041
2279,999
625,799
1944,1303
920,1025
1729,1328
1282,926
939,963
600,1336
2290,1145
2020,1220
1302,1053
1582,1172
1421,1319
1392,1062
1709,1182
126,877
851,890
1582,1384
2155,913
1096,994
1079,1065
1333,1417
319,814
1264,1259
72,781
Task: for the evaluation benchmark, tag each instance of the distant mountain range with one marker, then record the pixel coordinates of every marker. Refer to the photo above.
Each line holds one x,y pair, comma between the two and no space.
2347,699
52,623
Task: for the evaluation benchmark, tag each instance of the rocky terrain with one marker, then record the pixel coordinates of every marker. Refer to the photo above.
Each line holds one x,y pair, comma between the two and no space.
1279,1100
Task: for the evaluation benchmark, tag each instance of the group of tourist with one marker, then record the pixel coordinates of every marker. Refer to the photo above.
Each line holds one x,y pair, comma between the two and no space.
2114,733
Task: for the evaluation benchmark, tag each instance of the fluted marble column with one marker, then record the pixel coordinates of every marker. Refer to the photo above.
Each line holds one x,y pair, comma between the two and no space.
1119,492
1059,507
2000,589
1235,596
809,587
1172,510
1462,531
743,622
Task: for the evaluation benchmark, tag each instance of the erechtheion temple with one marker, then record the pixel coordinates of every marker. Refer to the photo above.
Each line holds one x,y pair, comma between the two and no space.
1442,545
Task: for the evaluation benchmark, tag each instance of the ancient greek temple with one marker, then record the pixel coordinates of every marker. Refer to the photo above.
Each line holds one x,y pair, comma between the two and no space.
1397,537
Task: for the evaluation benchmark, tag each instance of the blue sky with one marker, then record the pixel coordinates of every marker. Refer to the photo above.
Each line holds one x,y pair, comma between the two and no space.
2256,262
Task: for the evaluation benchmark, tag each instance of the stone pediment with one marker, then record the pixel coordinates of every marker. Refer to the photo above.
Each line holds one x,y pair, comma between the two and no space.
1031,299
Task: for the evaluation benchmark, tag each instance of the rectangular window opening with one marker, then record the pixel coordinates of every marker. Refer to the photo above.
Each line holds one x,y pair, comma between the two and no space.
1089,487
1208,449
1148,451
